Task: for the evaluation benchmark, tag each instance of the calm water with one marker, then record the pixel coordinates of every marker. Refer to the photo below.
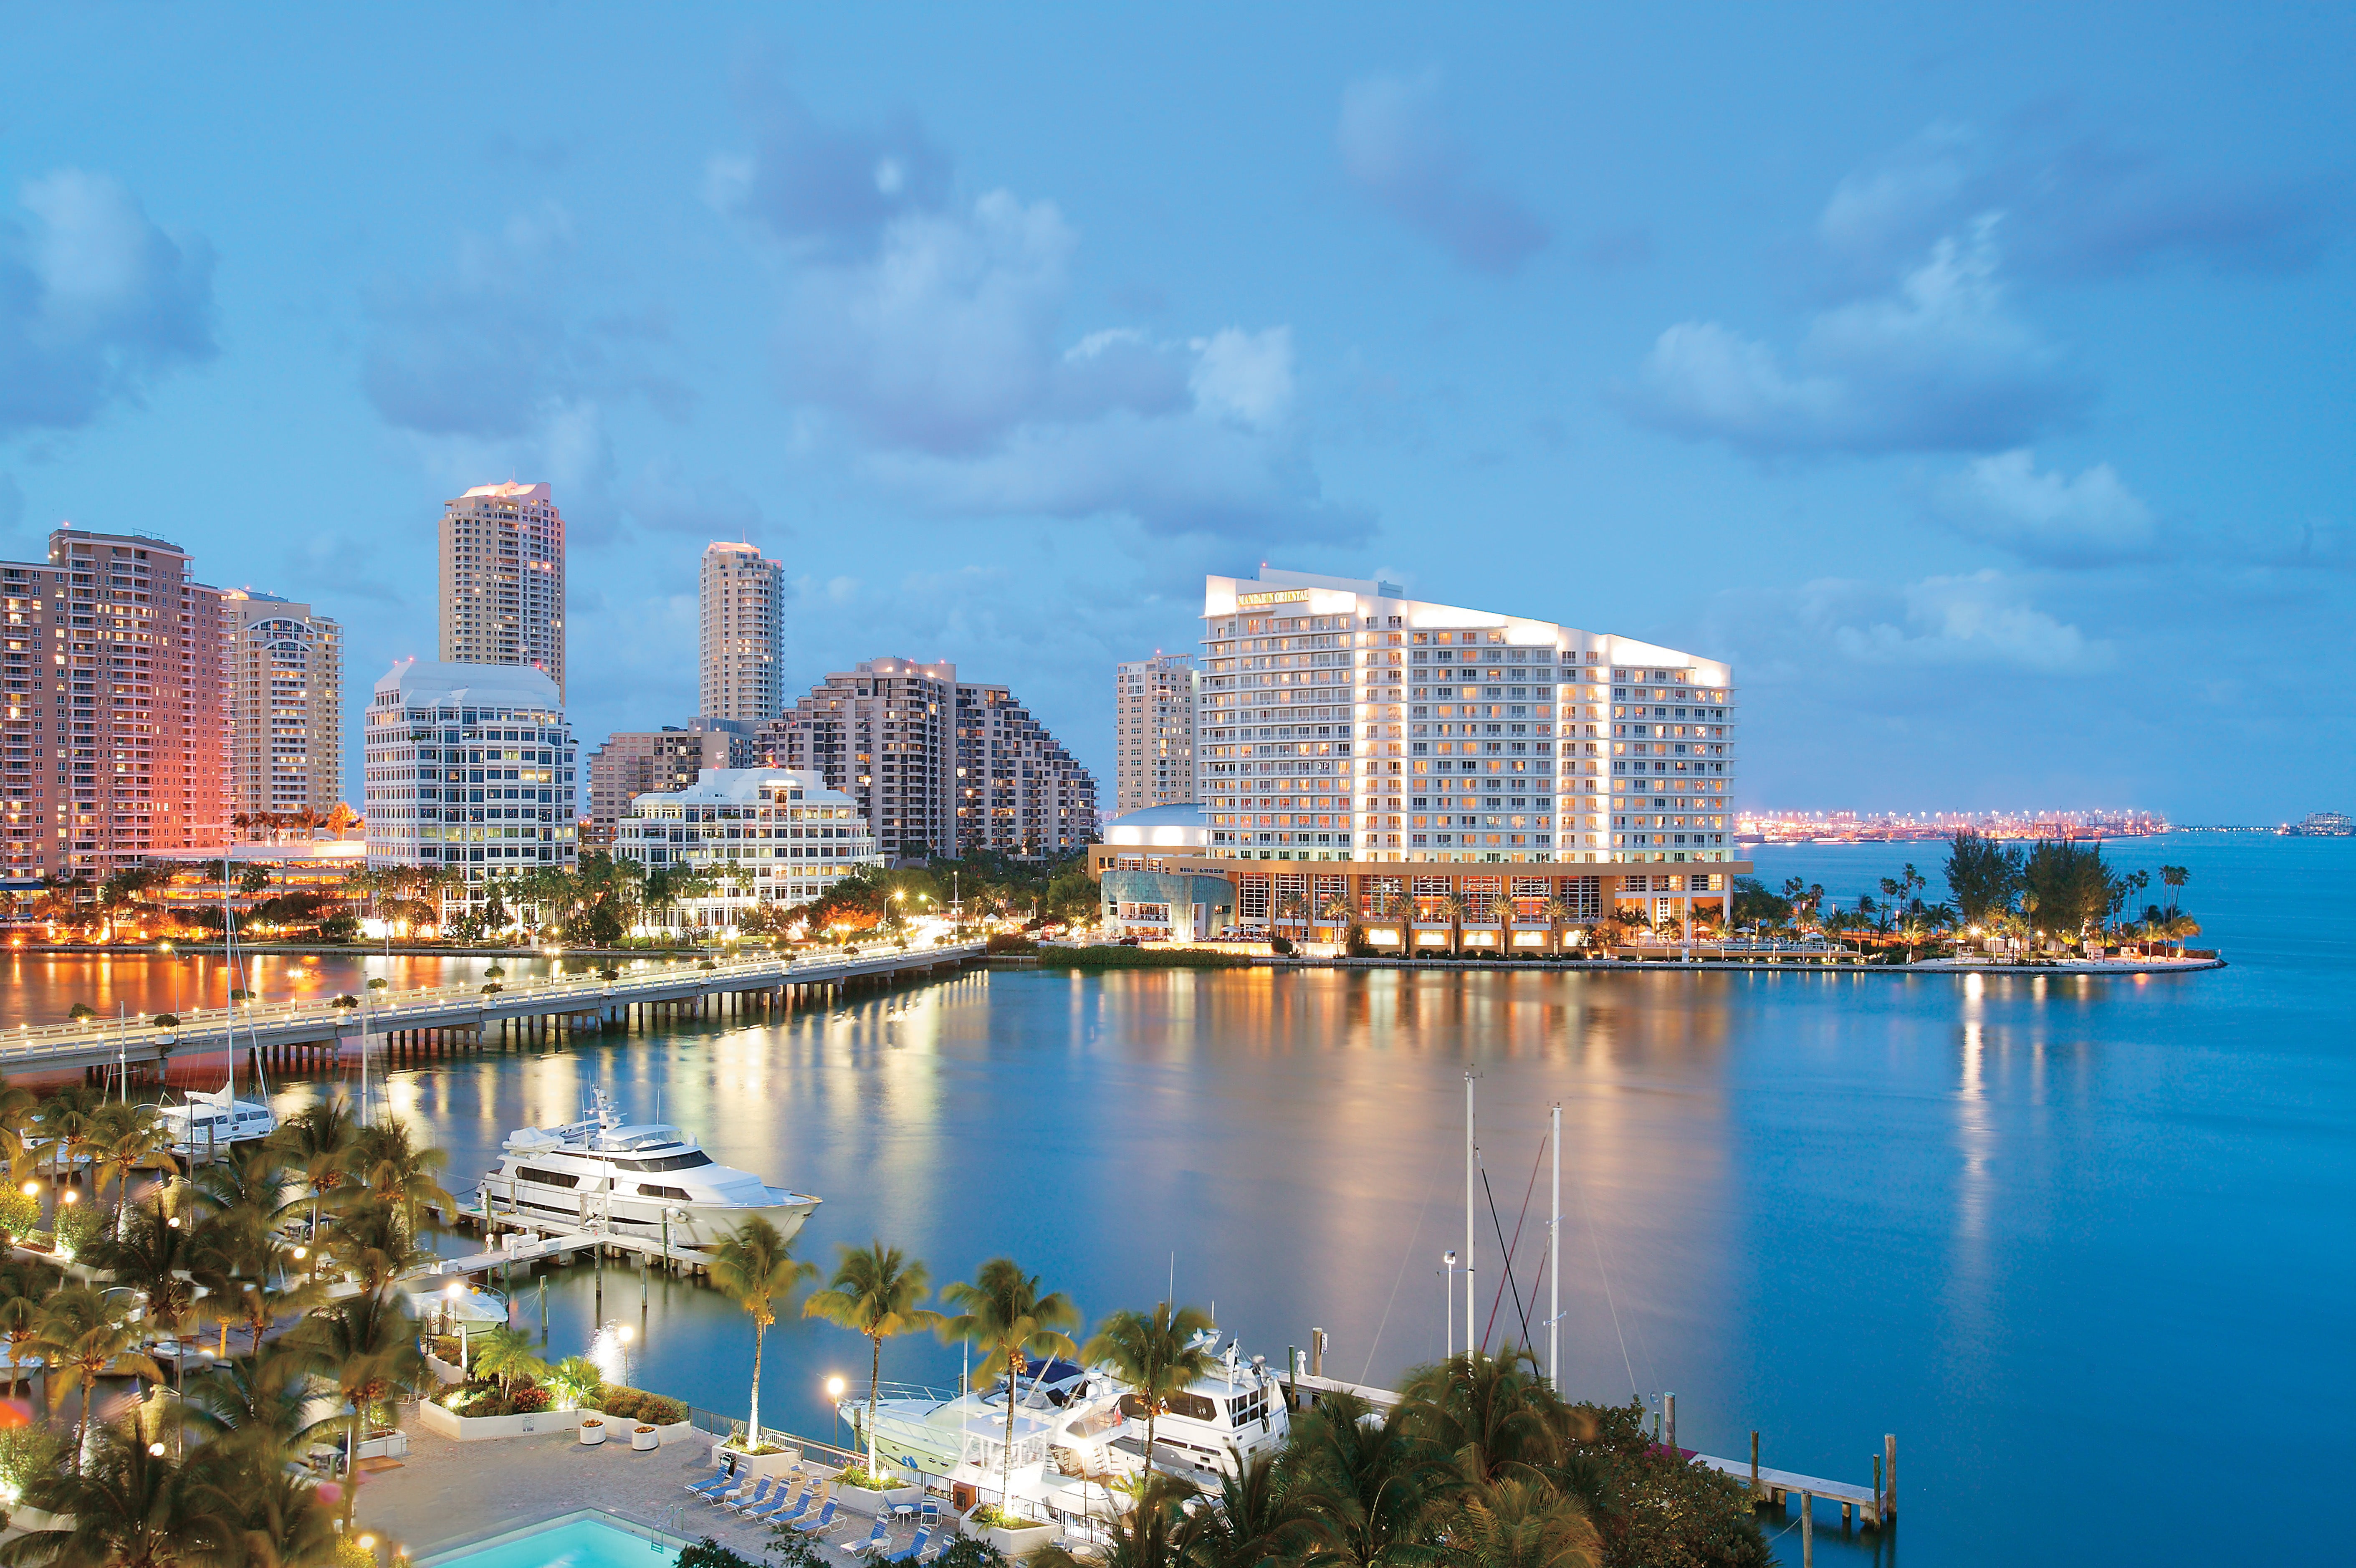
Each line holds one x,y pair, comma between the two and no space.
2076,1242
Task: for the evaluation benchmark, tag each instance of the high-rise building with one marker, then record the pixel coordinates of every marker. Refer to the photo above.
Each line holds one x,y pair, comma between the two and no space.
743,603
761,835
109,755
638,762
1342,720
1432,777
503,579
1018,790
286,703
938,766
469,768
206,704
1153,732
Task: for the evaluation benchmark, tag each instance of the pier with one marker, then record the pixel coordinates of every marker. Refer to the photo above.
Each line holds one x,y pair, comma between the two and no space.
444,1020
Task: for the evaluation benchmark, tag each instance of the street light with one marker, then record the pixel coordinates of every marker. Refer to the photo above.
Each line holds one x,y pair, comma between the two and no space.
834,1387
1447,1297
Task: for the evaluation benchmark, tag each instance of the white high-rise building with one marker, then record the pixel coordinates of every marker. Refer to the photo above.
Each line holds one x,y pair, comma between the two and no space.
286,707
503,579
470,767
1153,732
761,835
743,635
1340,720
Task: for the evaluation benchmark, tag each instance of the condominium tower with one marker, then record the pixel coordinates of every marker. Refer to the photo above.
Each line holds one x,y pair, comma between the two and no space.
502,552
1153,732
286,705
937,765
743,603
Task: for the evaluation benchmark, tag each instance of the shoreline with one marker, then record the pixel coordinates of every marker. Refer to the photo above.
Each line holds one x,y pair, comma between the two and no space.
1791,963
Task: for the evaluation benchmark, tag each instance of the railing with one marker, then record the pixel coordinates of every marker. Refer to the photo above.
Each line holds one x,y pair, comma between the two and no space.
388,1008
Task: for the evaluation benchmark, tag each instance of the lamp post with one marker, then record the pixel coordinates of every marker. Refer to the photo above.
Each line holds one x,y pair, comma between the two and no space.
1448,1299
834,1387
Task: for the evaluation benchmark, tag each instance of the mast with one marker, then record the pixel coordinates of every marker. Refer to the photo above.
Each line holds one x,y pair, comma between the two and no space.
1554,1262
1469,1304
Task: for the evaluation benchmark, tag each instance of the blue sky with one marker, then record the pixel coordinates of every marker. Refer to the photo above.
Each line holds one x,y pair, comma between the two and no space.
1975,380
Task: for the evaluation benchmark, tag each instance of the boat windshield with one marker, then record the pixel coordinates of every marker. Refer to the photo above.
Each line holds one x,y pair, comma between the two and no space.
1097,1423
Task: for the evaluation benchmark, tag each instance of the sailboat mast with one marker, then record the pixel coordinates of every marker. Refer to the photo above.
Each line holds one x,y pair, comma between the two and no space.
1470,1306
1554,1262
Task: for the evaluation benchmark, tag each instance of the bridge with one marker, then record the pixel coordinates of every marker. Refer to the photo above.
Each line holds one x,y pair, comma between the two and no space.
436,1019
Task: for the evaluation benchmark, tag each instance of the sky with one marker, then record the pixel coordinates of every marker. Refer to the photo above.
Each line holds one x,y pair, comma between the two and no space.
1975,380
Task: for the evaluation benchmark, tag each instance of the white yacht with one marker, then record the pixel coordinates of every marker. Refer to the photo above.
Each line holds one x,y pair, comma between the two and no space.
648,1181
1219,1425
209,1124
1064,1418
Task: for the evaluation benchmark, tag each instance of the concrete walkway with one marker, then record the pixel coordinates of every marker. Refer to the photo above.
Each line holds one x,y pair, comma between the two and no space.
446,1492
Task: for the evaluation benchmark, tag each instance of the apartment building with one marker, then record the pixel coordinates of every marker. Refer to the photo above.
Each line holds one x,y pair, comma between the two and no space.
286,705
636,762
469,768
502,579
741,603
938,766
761,836
1153,732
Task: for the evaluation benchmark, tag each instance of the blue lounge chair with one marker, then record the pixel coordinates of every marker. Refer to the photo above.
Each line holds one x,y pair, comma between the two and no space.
714,1487
822,1523
759,1497
876,1538
786,1508
913,1550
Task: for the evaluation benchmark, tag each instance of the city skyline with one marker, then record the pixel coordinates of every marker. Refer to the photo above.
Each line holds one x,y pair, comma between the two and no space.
1950,373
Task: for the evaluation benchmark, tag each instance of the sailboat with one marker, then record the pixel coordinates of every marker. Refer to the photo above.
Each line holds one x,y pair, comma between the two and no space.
207,1124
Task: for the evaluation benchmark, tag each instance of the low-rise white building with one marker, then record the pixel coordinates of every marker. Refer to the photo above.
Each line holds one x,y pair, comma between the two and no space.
765,835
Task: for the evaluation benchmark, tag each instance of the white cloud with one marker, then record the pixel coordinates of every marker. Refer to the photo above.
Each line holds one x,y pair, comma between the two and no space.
1983,620
1939,364
2085,520
1245,376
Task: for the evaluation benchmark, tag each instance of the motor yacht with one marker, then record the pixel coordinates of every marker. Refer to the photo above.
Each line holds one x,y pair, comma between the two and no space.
1063,1417
210,1124
1218,1425
648,1181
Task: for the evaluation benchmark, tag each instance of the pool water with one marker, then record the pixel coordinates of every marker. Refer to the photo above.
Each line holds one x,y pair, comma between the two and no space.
573,1543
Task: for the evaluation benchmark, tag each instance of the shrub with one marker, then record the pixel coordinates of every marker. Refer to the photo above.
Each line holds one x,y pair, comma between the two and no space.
970,1551
709,1553
1282,946
19,1214
26,1455
1117,957
80,1225
350,1553
1664,1509
866,1480
82,1010
345,1002
168,1020
1007,941
991,1515
529,1400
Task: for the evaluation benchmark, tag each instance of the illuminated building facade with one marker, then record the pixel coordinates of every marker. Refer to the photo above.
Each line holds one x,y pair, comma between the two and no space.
1153,732
502,600
761,835
742,610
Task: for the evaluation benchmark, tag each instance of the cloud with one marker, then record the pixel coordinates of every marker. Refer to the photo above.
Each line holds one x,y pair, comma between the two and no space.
1891,635
665,499
2075,209
1396,146
491,350
925,332
2091,519
96,302
1940,364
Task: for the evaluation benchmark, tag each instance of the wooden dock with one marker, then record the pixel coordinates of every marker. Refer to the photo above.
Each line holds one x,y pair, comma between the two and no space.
440,1020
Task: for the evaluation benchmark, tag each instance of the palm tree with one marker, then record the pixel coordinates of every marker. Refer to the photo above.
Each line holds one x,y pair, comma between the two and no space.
267,1517
19,1108
25,1287
159,1259
1159,1353
753,1266
1496,1417
85,1333
507,1354
122,1137
875,1292
1254,1521
1336,913
1556,910
65,1123
1453,909
365,1344
318,1141
251,1402
1153,1533
1003,1311
132,1508
1522,1524
397,1171
1368,1484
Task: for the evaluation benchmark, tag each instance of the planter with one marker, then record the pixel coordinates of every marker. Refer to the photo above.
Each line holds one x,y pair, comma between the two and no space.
859,1500
592,1432
644,1438
444,1372
665,1432
447,1422
1018,1542
389,1444
753,1466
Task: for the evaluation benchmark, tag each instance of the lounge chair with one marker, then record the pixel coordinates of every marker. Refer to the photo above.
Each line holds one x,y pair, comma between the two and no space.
877,1539
789,1510
760,1496
822,1523
714,1487
913,1550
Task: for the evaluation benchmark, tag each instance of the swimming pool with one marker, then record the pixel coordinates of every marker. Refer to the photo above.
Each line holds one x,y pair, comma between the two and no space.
573,1540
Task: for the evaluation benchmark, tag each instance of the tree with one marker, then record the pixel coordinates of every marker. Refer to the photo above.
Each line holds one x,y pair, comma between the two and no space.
1453,909
317,1141
2074,890
120,1137
1004,1312
253,1403
1159,1353
2173,878
507,1354
132,1508
19,1111
159,1259
83,1332
876,1292
1151,1534
1984,875
753,1266
1369,1485
25,1288
399,1171
365,1344
1522,1524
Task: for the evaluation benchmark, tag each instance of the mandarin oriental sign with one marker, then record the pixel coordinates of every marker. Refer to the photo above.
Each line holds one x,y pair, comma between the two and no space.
1287,596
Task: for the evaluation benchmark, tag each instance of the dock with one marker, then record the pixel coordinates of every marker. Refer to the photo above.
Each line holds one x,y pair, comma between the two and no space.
442,1020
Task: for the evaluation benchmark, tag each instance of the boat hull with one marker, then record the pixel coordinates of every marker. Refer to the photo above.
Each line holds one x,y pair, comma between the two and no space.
692,1227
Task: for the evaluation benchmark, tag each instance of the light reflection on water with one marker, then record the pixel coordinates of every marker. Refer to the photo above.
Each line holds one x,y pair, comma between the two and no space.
2035,1226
